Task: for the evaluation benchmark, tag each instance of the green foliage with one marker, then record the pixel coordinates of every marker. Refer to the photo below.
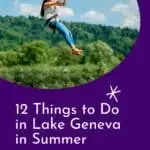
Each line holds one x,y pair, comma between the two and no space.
30,55
17,30
64,56
34,53
38,65
98,51
9,58
44,76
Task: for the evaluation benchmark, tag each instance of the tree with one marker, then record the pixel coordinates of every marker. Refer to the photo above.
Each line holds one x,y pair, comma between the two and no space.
34,53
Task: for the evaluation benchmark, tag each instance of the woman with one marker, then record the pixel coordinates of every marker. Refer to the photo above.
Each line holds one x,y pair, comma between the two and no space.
49,12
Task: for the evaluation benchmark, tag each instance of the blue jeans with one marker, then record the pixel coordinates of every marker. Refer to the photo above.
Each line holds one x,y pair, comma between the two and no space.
64,31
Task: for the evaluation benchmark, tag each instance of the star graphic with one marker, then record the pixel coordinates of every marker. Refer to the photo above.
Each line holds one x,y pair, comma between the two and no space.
113,92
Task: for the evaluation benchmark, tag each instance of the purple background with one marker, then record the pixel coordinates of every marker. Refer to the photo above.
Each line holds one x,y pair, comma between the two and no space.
132,77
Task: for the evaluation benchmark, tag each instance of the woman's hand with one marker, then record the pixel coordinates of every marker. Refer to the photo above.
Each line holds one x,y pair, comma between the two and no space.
61,3
50,3
54,2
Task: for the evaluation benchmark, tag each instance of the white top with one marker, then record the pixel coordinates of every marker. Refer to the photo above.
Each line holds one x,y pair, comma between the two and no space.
50,12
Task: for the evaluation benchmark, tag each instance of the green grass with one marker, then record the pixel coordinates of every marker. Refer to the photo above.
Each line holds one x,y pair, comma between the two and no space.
45,76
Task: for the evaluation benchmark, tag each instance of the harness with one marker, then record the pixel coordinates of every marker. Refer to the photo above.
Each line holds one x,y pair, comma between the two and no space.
49,19
48,23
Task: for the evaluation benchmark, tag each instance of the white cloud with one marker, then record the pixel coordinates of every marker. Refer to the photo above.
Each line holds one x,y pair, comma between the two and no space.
65,12
119,7
34,10
26,8
93,16
29,9
130,12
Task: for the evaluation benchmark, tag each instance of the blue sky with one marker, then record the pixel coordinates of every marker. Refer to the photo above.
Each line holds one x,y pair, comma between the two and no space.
109,12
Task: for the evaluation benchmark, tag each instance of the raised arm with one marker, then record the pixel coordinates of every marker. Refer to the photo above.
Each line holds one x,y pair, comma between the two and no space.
54,2
51,2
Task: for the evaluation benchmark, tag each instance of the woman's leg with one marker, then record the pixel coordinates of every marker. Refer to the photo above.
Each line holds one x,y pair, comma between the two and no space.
66,33
68,37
